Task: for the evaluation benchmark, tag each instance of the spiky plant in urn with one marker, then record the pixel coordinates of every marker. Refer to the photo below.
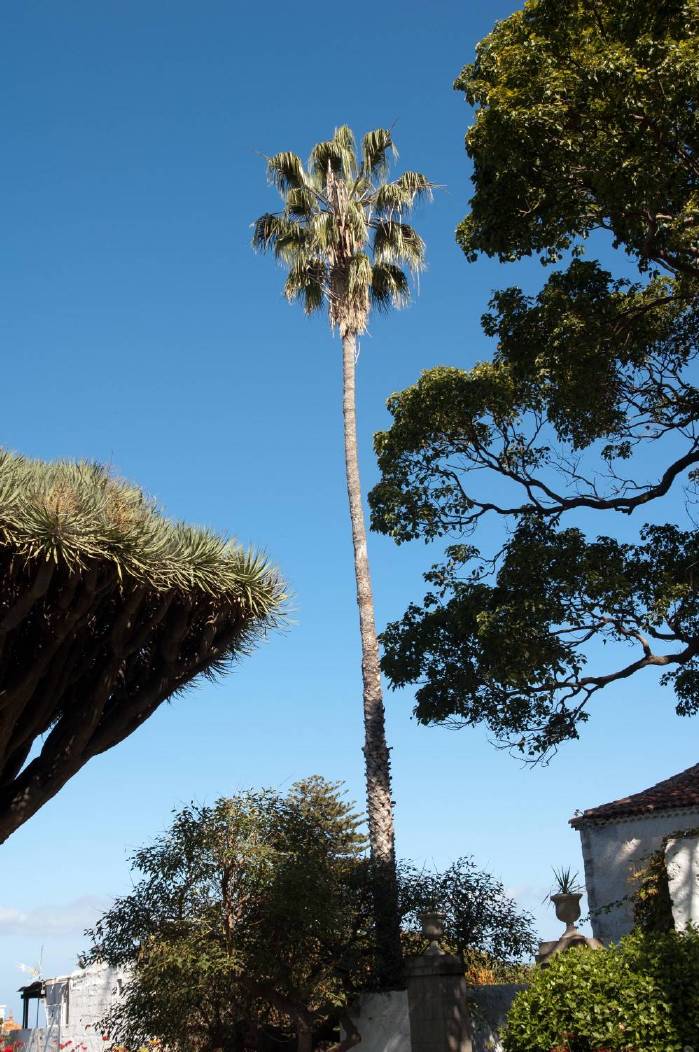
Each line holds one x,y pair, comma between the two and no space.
566,897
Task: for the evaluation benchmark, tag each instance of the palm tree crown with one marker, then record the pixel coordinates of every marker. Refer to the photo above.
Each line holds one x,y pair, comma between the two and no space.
341,232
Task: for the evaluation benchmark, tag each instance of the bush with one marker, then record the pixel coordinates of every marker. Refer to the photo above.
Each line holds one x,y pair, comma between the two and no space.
641,995
482,924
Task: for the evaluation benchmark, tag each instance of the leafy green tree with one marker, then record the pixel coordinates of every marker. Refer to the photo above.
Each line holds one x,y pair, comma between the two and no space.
341,234
256,915
106,610
254,910
586,125
483,925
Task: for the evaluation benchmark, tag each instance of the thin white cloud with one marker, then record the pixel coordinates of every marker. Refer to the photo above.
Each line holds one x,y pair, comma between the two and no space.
69,918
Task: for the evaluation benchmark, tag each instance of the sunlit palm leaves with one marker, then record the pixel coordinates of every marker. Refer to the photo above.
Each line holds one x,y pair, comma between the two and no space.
389,287
376,147
341,232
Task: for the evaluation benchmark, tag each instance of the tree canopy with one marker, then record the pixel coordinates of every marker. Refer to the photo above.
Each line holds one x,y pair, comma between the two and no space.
106,609
483,925
255,916
251,912
585,134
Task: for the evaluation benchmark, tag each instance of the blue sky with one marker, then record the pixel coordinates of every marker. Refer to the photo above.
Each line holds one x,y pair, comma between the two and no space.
137,328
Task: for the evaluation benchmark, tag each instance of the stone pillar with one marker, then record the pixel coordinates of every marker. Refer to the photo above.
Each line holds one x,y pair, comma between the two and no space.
437,997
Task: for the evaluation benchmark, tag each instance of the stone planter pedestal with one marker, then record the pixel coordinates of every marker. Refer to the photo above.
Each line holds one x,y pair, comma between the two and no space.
568,911
438,997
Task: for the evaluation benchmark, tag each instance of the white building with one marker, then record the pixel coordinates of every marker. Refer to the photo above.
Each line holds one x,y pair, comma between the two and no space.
69,1009
617,840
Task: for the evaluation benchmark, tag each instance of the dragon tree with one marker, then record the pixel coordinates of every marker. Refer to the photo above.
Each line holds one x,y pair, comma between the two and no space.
106,610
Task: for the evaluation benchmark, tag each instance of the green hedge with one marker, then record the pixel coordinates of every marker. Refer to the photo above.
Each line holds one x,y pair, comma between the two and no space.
641,995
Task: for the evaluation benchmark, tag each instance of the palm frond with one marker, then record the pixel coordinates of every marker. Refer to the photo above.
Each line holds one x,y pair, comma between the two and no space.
352,311
322,233
361,189
300,202
291,243
356,223
359,274
278,233
345,137
328,155
389,287
313,297
402,192
306,280
376,146
285,171
396,242
341,234
416,184
333,154
264,231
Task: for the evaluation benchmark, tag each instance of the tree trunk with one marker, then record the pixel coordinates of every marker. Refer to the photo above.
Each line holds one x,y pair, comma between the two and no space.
304,1037
376,753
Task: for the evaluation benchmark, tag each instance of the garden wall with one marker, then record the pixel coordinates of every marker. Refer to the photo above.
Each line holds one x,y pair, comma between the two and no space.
383,1019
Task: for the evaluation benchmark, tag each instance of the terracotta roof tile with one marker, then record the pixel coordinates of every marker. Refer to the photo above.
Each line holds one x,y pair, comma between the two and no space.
676,793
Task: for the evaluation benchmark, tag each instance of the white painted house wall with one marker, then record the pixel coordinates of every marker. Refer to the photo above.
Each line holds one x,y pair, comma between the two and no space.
682,864
74,1005
612,850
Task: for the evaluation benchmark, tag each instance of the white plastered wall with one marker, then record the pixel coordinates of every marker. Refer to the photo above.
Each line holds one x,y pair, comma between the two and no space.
612,852
682,864
76,1003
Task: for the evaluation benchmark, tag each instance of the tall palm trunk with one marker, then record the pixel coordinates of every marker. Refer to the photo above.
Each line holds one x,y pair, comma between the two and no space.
376,753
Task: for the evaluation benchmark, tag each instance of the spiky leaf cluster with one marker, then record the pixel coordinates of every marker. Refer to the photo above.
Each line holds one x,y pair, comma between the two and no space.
342,233
106,609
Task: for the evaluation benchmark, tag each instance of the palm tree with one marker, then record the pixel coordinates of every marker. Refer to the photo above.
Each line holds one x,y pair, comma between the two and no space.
342,237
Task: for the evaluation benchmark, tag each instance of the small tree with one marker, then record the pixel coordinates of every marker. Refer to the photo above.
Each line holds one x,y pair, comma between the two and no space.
343,237
253,911
482,923
106,610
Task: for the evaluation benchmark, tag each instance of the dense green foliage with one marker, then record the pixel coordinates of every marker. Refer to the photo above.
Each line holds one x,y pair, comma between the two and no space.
586,123
483,925
652,902
586,119
640,994
106,609
253,910
256,914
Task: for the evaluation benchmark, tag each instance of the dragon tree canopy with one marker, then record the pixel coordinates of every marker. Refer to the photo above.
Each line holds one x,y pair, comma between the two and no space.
107,608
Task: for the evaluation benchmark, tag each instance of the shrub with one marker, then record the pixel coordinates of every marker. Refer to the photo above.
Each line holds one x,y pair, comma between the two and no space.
641,995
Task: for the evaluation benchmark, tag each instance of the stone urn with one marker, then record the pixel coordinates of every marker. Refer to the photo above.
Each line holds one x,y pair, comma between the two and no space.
432,924
567,906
